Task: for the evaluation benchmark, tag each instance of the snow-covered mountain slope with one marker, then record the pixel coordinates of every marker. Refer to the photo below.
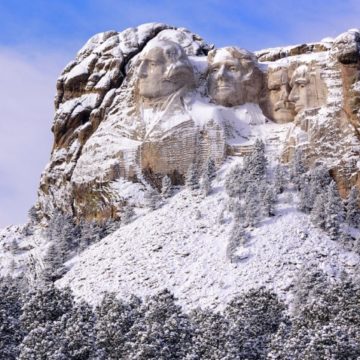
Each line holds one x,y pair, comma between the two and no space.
182,246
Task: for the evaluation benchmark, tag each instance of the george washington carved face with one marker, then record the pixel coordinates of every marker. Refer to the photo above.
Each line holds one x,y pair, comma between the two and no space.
164,70
233,77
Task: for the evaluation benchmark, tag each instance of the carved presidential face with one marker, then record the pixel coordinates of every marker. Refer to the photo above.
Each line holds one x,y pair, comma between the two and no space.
308,90
300,89
164,69
281,109
229,76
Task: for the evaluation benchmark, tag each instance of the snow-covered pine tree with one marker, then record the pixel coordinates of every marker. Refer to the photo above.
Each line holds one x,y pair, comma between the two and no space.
79,337
317,214
334,211
280,179
319,180
110,226
352,208
234,182
210,168
163,332
238,237
268,202
166,187
252,207
63,231
305,199
152,198
91,233
10,310
192,177
45,304
237,209
253,318
297,168
53,261
209,335
43,342
205,184
128,214
255,162
115,318
33,215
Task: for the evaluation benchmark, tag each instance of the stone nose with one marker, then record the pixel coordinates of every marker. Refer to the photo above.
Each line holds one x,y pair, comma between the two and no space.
284,93
221,72
142,71
294,94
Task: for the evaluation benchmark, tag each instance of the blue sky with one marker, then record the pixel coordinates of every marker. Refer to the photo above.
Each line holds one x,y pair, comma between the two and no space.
38,38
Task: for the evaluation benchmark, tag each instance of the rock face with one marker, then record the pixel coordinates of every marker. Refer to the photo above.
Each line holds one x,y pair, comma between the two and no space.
152,100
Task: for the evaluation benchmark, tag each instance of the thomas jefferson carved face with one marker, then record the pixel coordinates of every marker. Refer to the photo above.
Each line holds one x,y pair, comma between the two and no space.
231,79
281,110
164,69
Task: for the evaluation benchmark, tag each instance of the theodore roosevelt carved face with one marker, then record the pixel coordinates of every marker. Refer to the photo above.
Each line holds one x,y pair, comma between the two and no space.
280,108
233,76
164,70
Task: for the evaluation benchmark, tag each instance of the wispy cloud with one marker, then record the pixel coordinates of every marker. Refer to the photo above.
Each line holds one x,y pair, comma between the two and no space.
26,102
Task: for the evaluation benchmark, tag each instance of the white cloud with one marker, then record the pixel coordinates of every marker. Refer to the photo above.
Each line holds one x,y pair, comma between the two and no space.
26,103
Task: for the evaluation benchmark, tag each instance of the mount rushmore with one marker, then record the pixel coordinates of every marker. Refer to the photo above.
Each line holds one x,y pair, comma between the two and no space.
150,101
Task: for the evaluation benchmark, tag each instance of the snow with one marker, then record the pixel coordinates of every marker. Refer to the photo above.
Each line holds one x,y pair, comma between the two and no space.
82,68
174,248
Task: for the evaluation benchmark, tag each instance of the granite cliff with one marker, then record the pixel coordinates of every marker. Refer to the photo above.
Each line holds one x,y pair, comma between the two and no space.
111,126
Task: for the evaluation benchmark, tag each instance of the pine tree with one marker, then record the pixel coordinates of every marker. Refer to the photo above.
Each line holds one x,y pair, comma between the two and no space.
238,237
43,342
253,318
209,335
318,212
164,332
305,196
234,182
255,163
33,215
45,304
210,168
79,337
352,208
280,180
268,202
54,267
152,199
252,205
298,168
11,333
166,187
115,319
91,233
192,177
128,214
334,213
205,184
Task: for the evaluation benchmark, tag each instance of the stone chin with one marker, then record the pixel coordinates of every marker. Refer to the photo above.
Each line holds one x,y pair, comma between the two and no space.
225,96
283,116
